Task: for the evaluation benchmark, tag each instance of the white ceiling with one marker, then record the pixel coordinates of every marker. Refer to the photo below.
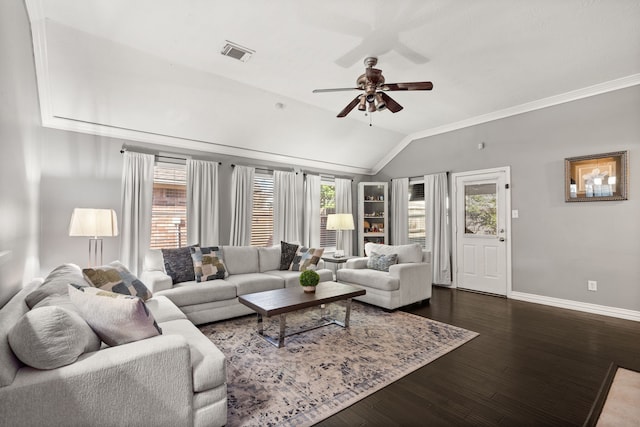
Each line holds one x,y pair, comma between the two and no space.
152,70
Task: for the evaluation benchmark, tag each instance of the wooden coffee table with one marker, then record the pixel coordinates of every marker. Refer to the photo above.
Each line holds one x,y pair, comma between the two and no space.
279,302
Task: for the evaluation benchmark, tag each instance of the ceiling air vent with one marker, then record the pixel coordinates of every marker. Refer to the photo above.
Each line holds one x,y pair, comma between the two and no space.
236,51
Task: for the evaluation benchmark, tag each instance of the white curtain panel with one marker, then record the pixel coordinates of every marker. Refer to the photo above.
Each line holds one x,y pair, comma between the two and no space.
241,205
438,226
285,207
400,211
344,204
202,203
311,217
136,202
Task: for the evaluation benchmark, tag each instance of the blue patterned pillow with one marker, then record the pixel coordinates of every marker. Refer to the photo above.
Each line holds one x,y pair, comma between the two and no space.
306,259
381,262
208,264
116,278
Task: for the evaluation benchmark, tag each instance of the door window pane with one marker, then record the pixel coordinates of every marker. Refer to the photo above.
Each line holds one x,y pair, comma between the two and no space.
480,203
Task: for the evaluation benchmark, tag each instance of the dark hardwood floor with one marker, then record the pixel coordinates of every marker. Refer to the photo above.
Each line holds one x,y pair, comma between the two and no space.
532,365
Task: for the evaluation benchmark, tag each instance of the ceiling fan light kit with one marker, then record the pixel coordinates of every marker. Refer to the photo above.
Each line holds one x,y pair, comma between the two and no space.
373,84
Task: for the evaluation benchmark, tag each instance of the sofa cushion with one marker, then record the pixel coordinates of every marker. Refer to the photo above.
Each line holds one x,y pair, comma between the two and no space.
208,263
406,253
190,293
153,261
208,364
369,278
163,310
255,282
269,258
306,258
287,254
116,318
241,259
56,283
381,262
178,264
115,277
50,337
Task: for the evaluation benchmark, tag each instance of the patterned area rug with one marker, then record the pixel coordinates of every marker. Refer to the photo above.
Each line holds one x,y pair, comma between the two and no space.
320,372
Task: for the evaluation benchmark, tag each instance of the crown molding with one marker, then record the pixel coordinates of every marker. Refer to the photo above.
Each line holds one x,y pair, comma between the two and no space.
597,89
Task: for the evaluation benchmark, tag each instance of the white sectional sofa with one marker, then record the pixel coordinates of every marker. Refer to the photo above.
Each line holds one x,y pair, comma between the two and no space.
251,269
406,282
177,378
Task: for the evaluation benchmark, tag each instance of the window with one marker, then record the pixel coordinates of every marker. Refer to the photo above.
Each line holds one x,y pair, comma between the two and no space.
169,210
416,211
262,215
327,206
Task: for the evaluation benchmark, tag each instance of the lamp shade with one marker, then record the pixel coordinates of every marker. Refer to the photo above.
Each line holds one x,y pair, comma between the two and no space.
93,223
342,221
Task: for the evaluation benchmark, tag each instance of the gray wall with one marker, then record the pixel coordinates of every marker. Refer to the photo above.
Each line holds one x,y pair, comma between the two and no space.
20,137
556,246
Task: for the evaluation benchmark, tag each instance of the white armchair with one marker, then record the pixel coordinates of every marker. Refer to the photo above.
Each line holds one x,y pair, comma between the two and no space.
407,282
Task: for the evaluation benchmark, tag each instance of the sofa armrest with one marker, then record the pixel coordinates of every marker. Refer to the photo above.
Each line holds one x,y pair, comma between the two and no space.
148,382
414,278
358,263
156,280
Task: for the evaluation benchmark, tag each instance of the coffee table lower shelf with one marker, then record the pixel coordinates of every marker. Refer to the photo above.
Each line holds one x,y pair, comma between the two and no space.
279,302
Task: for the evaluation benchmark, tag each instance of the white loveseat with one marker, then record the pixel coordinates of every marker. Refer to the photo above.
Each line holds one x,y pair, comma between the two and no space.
177,378
251,269
407,282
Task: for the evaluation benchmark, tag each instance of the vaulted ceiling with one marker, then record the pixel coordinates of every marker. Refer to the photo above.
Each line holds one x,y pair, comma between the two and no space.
151,70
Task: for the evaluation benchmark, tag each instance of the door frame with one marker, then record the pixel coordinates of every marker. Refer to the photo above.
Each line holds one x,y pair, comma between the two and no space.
454,221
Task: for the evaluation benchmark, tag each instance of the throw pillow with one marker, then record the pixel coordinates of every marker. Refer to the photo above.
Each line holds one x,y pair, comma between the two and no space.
381,262
116,278
208,263
56,284
287,253
116,318
306,259
51,337
178,264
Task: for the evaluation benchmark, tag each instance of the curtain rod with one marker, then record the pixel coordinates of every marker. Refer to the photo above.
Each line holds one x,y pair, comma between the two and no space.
258,168
422,176
160,156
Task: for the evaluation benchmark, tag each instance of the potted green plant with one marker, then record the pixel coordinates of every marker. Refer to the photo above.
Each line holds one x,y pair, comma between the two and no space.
309,280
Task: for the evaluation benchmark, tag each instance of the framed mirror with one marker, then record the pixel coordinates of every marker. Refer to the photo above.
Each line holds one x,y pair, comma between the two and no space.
596,177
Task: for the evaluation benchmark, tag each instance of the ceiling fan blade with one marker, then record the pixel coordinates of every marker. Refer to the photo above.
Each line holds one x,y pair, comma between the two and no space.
340,89
350,107
392,105
408,86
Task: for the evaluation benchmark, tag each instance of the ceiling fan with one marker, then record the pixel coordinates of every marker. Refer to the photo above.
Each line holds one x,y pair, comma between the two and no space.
374,97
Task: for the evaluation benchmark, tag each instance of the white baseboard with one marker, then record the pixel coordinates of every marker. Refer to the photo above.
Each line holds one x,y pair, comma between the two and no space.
604,310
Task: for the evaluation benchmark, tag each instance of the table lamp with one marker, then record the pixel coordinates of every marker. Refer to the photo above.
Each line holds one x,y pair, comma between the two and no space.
339,222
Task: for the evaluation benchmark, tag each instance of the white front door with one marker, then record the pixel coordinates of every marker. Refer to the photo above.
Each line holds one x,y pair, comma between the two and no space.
482,230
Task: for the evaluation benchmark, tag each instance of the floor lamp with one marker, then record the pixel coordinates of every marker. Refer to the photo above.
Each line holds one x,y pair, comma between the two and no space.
95,224
339,222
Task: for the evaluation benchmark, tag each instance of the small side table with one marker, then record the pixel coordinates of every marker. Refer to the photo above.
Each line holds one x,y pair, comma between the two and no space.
337,261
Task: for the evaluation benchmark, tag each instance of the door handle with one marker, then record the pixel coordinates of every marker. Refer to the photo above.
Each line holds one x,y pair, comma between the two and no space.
501,239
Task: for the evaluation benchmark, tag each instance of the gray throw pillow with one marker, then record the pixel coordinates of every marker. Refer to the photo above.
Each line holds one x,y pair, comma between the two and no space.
178,264
287,253
51,337
381,262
